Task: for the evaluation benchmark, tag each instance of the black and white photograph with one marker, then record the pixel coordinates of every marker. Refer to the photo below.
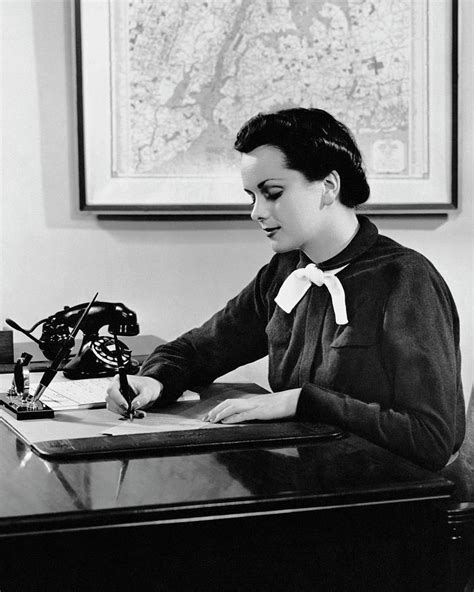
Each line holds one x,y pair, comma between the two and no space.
236,296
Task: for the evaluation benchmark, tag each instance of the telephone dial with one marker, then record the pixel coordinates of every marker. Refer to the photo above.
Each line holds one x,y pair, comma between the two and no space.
97,354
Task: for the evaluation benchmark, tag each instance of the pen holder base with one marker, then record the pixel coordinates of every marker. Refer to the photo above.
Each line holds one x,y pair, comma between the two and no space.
21,411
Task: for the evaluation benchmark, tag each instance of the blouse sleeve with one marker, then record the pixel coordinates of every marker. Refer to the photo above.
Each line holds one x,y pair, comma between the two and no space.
420,353
232,337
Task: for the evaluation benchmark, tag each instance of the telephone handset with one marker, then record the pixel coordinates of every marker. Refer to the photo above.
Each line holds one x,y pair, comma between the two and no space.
97,354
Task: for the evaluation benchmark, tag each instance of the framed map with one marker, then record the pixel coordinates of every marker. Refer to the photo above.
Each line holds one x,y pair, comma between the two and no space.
164,85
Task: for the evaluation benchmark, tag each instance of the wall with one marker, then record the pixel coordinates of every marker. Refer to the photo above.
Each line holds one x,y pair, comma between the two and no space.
174,274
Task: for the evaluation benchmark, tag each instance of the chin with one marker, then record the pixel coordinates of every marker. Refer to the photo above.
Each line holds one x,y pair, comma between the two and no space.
282,248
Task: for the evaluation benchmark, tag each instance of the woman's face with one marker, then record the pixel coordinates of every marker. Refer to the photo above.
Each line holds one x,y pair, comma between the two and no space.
286,205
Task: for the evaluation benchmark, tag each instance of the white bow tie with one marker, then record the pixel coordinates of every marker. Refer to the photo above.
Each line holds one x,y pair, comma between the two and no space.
299,281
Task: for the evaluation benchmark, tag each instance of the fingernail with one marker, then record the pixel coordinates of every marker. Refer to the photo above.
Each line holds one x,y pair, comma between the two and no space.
123,406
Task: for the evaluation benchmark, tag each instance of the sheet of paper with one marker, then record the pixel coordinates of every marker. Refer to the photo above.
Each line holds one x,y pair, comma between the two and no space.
159,422
185,414
65,395
87,423
85,393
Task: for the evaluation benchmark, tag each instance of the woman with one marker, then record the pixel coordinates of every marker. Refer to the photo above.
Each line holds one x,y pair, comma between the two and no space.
361,332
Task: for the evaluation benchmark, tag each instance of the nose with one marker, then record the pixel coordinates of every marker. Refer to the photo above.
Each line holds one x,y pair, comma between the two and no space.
259,210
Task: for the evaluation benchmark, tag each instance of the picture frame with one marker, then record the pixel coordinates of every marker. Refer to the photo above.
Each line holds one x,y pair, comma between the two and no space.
413,160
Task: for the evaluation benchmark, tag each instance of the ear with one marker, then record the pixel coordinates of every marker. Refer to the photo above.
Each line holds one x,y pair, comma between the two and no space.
331,188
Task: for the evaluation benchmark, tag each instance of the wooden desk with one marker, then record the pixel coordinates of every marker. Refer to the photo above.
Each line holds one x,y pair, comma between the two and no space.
337,515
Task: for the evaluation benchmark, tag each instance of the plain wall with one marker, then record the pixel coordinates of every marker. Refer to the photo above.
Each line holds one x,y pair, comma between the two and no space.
173,274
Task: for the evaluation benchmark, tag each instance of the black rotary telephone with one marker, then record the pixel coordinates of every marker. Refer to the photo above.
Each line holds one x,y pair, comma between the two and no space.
97,354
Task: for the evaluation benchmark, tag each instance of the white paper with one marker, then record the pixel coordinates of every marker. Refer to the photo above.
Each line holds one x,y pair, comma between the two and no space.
86,393
66,395
160,422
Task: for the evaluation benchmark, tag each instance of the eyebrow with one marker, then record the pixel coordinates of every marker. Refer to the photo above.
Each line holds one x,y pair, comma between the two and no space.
262,183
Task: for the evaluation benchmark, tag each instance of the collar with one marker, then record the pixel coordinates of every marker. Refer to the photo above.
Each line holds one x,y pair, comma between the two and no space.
363,240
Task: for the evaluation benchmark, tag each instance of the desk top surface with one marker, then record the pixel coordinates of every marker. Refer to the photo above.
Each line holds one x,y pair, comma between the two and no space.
38,495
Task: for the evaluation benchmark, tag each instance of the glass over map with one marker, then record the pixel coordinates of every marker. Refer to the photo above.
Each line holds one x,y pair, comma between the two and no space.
187,73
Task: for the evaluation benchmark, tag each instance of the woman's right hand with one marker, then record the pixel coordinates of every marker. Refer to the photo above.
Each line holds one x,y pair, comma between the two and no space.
147,390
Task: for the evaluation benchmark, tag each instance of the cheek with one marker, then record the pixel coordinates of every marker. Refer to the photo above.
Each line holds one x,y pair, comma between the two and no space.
304,218
299,213
291,221
310,214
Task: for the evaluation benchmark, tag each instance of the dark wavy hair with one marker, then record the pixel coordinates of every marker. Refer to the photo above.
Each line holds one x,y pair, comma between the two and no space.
314,143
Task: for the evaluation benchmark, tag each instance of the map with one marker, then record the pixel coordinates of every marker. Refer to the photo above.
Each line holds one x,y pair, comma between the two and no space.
186,74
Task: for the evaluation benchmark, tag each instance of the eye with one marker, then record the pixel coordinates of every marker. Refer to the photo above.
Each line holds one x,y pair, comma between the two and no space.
274,195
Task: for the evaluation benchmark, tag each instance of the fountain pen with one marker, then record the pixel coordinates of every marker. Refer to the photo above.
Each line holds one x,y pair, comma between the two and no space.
125,389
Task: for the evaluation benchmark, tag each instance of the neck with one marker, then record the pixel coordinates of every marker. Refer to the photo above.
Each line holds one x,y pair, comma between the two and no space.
338,232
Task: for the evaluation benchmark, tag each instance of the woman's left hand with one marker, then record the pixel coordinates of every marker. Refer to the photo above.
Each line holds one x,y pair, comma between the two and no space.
272,406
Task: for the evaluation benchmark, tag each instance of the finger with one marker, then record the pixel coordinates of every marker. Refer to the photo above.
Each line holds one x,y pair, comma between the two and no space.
116,407
235,408
142,401
215,410
147,391
240,417
215,414
227,412
113,387
221,405
114,397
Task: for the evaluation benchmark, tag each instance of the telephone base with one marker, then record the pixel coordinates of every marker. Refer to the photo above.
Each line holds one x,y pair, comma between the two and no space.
20,411
96,369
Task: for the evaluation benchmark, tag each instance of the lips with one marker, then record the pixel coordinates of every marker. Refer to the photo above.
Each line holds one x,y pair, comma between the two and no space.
270,231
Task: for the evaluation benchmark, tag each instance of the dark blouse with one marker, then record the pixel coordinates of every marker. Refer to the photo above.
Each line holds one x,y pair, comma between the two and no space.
391,375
